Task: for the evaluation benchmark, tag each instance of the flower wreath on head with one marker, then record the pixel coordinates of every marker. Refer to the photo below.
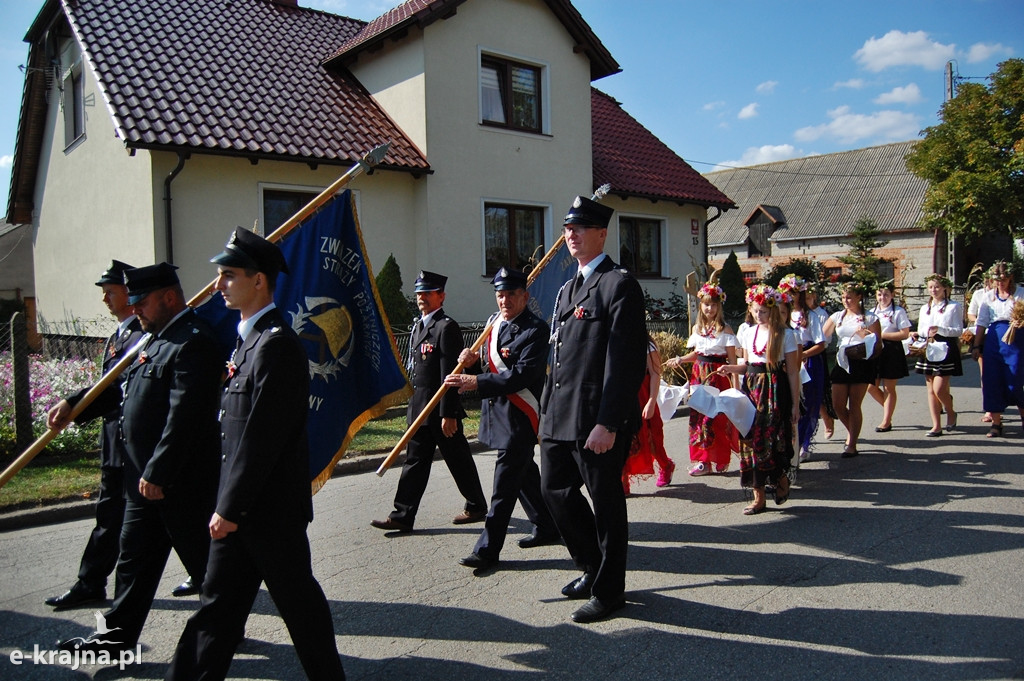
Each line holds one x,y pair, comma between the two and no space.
944,281
856,287
792,282
709,290
991,273
764,295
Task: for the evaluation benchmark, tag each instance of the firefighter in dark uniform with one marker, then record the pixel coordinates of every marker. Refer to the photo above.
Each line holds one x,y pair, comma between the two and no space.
100,553
434,348
589,410
264,503
514,358
172,442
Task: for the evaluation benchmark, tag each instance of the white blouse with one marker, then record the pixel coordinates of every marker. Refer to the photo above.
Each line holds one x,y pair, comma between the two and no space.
992,309
947,316
847,323
893,318
714,343
812,333
755,336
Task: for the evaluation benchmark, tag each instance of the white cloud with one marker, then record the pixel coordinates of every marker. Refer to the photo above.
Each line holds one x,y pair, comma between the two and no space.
897,48
979,52
853,84
757,155
848,127
711,106
767,87
6,160
749,111
911,94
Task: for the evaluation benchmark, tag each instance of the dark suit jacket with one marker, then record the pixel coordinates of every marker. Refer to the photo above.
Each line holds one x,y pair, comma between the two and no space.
525,342
435,354
169,415
111,447
599,359
265,471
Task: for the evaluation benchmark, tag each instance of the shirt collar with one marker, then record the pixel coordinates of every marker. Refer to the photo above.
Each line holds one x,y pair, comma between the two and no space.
246,327
589,268
121,327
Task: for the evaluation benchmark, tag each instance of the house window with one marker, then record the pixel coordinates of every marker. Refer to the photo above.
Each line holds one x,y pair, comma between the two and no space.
640,246
74,105
749,278
886,271
832,274
510,94
281,204
511,235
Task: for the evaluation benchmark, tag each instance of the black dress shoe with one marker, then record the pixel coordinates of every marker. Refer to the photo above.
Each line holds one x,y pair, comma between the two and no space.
579,588
391,525
76,596
539,540
186,588
475,560
595,609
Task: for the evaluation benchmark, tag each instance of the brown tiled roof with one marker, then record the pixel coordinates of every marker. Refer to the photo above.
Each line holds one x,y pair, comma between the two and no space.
240,77
421,13
636,163
823,196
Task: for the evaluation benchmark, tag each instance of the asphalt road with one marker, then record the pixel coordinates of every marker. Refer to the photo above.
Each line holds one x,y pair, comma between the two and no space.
904,563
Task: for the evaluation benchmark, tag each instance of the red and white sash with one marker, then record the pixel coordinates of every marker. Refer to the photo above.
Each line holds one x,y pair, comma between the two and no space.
523,399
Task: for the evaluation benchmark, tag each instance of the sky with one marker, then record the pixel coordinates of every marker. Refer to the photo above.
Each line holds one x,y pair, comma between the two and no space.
728,83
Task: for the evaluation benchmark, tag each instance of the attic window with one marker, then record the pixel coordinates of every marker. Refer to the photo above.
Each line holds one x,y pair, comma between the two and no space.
74,105
510,94
760,229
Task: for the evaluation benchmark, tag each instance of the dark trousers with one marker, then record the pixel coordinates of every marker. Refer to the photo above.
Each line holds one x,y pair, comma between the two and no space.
516,476
276,554
419,456
150,531
100,555
598,537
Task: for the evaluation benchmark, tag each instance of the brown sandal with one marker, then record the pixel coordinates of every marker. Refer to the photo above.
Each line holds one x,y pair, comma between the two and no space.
995,431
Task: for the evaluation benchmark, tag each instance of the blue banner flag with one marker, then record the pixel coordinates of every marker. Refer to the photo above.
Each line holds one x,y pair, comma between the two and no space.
545,286
332,301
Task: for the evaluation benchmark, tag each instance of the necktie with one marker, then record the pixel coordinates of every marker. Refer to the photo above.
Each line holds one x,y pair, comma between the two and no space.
577,284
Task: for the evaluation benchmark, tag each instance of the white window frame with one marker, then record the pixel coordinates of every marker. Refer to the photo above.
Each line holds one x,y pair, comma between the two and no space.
662,220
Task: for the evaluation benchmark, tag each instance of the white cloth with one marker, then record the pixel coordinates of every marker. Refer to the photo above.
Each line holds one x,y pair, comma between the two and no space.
869,348
712,344
735,404
669,398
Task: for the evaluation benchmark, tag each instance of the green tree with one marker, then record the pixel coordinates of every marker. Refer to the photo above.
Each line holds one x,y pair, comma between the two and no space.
811,270
730,278
861,258
974,159
389,286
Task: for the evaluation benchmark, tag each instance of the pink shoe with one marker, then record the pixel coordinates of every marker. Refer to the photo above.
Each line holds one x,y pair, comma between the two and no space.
665,475
699,469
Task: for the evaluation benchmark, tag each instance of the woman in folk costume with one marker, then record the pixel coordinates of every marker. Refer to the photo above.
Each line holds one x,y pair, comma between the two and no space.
999,340
712,440
892,362
807,327
941,323
855,369
649,441
771,369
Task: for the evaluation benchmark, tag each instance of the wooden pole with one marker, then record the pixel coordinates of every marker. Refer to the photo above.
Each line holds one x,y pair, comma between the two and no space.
375,156
414,426
87,399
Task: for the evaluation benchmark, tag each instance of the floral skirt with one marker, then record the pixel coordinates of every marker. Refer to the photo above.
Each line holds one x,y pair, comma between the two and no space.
648,443
712,440
768,448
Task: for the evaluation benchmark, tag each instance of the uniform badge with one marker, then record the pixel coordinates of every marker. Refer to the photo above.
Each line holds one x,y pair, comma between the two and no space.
143,357
232,368
425,349
579,313
505,353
